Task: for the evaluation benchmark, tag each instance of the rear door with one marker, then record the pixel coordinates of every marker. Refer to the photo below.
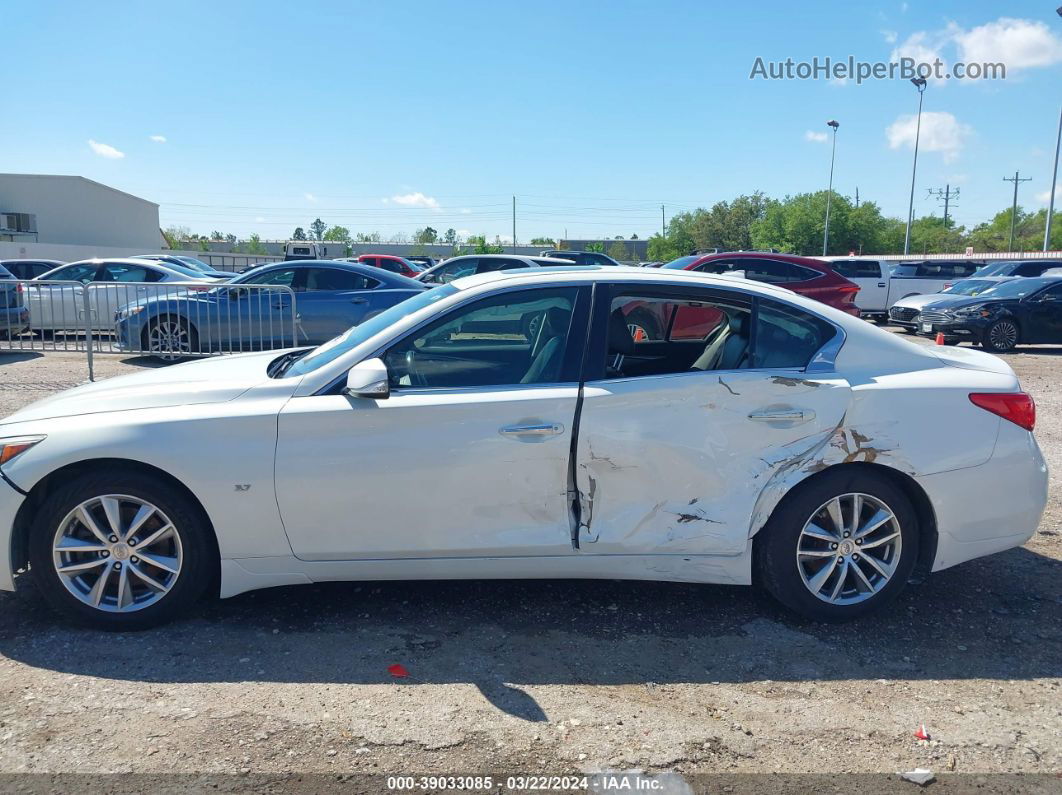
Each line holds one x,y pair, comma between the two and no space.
679,436
870,275
1042,316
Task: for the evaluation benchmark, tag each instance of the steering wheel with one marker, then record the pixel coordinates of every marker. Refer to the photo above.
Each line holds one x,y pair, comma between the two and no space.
415,376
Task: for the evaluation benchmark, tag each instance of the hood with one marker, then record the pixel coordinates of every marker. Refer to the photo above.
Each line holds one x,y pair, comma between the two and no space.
919,301
213,380
960,301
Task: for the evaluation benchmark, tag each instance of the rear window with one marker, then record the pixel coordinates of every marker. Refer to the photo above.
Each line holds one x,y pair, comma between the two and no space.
857,268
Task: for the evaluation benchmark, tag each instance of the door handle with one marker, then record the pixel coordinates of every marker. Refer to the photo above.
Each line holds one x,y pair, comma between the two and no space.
359,300
546,429
881,284
782,415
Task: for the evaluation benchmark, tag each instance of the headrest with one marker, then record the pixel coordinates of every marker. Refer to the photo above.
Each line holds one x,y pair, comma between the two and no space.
619,336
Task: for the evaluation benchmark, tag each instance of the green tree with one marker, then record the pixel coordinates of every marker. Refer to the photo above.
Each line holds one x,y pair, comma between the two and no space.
542,241
317,229
619,252
451,236
204,244
478,245
367,237
337,234
598,247
428,235
298,234
254,245
176,236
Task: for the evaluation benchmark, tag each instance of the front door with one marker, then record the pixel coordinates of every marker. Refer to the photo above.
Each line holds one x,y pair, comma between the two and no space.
467,457
1042,321
680,432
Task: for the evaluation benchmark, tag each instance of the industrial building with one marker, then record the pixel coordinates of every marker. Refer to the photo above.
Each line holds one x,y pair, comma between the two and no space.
64,210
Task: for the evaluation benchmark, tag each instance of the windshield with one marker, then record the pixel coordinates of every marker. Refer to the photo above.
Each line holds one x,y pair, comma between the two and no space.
195,264
995,269
356,335
1018,288
971,287
682,262
414,265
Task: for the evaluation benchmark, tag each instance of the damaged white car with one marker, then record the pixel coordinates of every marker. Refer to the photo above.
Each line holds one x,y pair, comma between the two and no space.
585,423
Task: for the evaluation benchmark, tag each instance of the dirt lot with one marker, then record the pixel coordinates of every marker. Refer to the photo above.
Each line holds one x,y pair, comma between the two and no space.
551,677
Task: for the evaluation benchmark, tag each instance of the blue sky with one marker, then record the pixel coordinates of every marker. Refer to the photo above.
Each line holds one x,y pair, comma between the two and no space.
391,116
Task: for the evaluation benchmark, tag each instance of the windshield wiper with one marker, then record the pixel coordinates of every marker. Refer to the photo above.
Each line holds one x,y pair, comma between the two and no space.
281,364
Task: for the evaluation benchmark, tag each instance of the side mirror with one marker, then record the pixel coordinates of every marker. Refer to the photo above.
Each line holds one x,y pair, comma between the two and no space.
368,379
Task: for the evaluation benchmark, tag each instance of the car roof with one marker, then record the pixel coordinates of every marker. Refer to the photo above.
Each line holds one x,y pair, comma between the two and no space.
607,273
369,271
122,261
55,263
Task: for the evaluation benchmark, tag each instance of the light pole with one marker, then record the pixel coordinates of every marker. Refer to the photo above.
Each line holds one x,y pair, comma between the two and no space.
920,84
829,191
1054,182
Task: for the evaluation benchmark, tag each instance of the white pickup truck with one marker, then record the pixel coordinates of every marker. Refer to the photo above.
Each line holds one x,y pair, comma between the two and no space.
882,283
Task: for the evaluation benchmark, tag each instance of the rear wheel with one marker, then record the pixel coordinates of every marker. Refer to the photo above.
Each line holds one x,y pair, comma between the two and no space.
1001,336
839,546
120,550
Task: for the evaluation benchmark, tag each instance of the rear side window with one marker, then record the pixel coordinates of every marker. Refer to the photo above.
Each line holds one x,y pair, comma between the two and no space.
787,336
943,269
318,279
761,270
857,268
1031,269
390,265
487,265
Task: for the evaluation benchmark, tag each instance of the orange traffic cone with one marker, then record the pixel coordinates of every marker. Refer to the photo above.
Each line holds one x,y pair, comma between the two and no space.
940,338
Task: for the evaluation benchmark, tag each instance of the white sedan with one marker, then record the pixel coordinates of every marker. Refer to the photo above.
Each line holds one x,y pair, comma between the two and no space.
511,425
55,306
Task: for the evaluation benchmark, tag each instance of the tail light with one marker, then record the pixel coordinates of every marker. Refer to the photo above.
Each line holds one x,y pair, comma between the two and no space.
947,286
1018,407
848,293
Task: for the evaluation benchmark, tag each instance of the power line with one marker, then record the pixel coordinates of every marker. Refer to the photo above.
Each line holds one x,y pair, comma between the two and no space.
1014,207
947,196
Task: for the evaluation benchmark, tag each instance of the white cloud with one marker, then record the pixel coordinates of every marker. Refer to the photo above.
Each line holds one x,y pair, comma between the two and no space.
817,137
1019,43
159,139
922,47
105,150
417,199
310,198
941,132
890,36
1045,197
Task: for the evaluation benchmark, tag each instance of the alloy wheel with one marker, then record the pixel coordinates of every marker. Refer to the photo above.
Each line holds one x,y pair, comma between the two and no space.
169,339
1003,335
117,553
849,549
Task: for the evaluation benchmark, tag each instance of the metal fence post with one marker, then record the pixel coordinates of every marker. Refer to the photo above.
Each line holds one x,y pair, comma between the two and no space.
88,330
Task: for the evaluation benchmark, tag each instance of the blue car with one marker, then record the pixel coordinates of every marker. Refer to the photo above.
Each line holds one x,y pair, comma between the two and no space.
14,316
330,298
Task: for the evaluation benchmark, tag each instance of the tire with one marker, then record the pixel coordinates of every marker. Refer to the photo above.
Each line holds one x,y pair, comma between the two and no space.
792,579
170,338
909,330
644,321
1002,336
180,561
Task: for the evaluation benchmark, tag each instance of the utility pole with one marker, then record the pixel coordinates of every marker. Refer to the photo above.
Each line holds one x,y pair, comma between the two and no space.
947,195
1014,207
514,223
663,222
857,197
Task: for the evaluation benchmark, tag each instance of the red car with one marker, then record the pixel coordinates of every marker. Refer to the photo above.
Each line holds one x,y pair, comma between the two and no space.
390,262
803,275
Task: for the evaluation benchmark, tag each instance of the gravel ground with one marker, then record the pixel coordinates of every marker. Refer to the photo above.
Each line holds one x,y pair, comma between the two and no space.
552,676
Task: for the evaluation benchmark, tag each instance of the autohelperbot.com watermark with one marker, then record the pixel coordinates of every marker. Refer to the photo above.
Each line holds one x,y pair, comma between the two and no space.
850,68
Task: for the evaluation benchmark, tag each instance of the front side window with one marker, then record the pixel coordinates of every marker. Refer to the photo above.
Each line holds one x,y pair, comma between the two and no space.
508,339
487,265
453,270
283,277
857,268
116,272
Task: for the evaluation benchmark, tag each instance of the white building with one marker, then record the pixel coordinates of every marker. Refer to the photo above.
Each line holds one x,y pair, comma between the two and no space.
74,211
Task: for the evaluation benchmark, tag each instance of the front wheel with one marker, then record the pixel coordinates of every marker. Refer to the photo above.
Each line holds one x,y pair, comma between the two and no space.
839,546
1001,336
120,550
